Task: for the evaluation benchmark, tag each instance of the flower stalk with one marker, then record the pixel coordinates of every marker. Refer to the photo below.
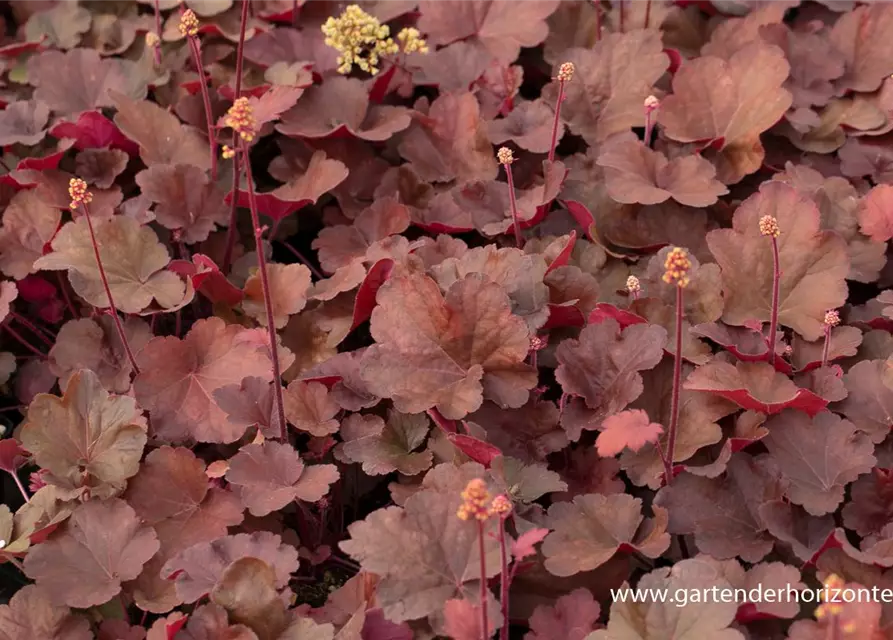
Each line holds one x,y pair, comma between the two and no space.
234,206
677,272
240,118
505,157
832,319
651,105
769,227
502,507
189,28
565,73
80,197
476,506
155,42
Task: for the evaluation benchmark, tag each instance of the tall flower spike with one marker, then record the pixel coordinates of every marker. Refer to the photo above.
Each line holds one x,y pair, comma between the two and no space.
475,499
678,267
565,73
360,38
189,24
77,190
505,158
769,228
240,118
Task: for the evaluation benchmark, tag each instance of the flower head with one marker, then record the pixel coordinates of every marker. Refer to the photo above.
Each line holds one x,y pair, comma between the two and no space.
228,152
678,267
633,285
360,38
566,71
77,189
504,156
240,118
832,586
832,318
475,499
501,506
189,24
769,226
651,103
152,39
412,41
537,343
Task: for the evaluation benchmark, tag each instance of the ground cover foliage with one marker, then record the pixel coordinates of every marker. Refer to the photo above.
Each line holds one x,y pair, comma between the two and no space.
443,319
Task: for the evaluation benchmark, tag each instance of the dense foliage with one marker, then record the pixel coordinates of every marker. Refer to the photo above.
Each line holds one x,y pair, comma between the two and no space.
416,319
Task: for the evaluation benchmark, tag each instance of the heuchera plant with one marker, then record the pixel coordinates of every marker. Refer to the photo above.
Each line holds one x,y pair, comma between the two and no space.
428,319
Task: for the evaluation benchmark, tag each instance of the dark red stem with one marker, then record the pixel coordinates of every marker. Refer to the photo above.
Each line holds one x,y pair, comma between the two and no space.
65,295
598,20
622,17
773,319
827,346
108,291
158,33
677,383
195,47
21,340
268,299
647,12
519,241
485,623
504,579
33,329
233,212
649,127
557,120
303,260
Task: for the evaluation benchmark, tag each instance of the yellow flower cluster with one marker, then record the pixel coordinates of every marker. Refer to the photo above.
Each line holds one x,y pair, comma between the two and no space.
228,152
77,190
833,585
769,226
633,285
566,71
476,503
152,39
505,156
240,118
412,41
360,38
832,318
678,266
189,24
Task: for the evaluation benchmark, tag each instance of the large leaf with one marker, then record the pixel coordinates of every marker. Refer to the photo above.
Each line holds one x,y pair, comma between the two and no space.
813,263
